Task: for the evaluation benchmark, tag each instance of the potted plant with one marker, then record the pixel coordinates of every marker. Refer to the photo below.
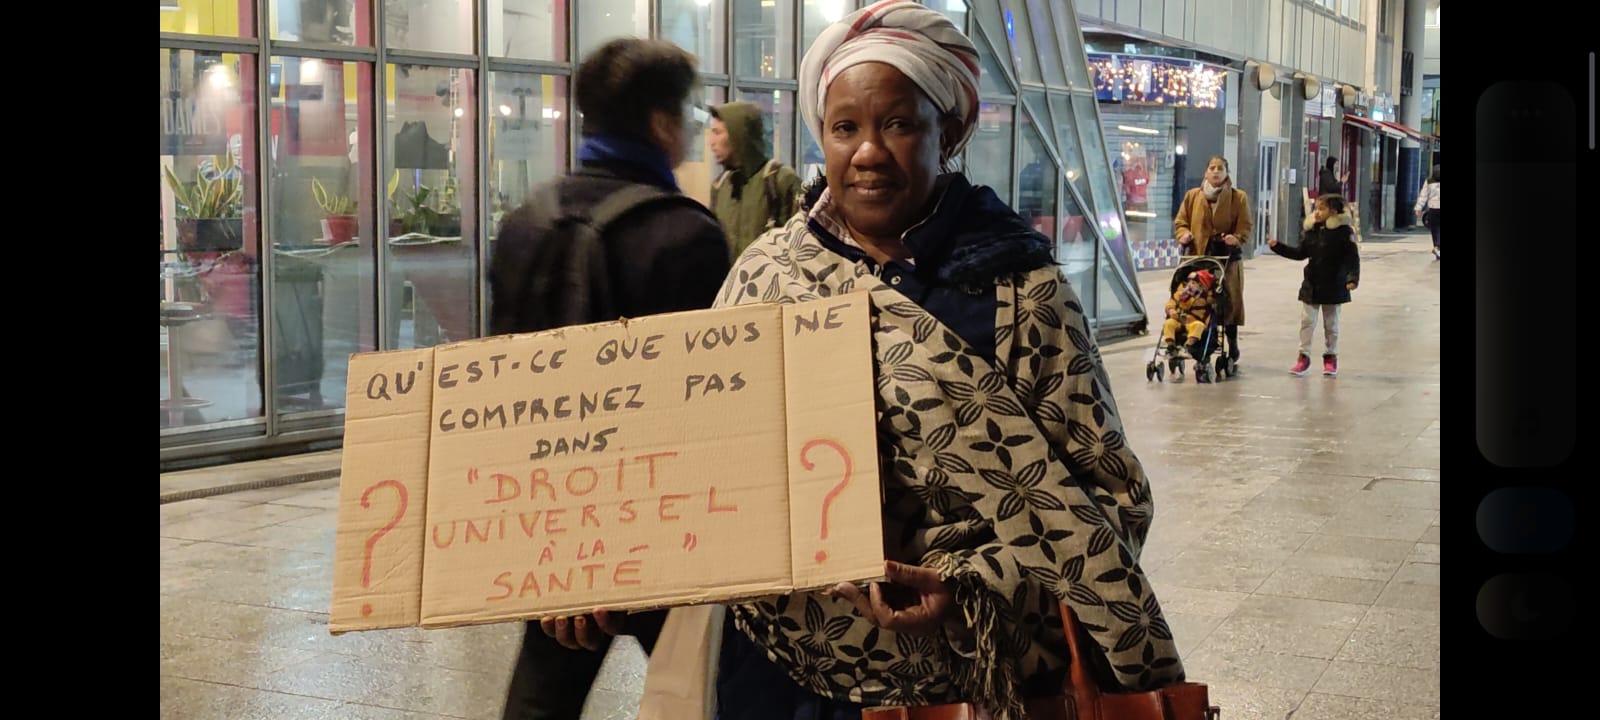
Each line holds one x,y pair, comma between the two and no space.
339,222
426,216
209,208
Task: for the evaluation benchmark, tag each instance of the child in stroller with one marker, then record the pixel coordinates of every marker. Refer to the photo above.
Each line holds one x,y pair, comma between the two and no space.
1190,331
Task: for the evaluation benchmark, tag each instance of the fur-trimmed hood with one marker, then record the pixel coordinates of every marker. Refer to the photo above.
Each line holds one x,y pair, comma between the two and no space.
1334,221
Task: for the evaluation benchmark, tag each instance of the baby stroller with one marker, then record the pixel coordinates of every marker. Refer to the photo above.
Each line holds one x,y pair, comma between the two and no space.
1212,361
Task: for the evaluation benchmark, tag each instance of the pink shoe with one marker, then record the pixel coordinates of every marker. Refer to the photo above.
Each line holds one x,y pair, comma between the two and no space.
1330,365
1301,365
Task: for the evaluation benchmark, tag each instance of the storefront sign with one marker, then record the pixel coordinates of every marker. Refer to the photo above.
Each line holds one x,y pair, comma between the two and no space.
1157,80
189,127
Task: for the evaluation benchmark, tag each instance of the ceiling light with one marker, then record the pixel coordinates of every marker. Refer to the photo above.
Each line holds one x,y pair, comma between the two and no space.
1140,130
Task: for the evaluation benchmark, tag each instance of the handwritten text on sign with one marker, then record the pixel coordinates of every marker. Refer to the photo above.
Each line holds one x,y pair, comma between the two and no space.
666,460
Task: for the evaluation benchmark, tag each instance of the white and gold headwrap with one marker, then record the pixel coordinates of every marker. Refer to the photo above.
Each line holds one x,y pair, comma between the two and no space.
921,43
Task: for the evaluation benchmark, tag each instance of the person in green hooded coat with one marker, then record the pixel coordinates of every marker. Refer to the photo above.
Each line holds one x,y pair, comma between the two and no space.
754,193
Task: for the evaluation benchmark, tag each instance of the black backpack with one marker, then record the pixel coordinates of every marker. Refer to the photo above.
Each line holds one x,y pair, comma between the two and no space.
552,271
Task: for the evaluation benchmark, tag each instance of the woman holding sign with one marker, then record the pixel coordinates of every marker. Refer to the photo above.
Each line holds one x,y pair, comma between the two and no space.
1009,484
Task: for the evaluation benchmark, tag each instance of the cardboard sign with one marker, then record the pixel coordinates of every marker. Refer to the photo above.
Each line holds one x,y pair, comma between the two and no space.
671,460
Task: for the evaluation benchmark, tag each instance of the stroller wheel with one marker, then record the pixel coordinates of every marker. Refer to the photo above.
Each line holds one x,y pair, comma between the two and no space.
1160,374
1149,372
1224,368
1202,373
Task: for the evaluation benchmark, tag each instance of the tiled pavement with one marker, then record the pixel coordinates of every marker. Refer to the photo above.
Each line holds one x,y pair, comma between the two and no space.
1295,546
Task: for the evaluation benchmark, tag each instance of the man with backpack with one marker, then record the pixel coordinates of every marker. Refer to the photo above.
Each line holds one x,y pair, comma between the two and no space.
753,194
615,238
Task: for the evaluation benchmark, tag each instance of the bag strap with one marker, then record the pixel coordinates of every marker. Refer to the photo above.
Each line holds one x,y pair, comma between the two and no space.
776,213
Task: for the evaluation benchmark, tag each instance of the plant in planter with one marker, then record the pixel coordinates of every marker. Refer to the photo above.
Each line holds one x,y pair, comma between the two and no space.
339,224
426,216
209,208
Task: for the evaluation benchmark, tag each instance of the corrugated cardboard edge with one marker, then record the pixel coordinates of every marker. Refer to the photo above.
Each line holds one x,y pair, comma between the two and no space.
417,501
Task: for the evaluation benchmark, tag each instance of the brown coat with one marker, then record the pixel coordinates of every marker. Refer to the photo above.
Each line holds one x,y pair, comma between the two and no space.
1231,216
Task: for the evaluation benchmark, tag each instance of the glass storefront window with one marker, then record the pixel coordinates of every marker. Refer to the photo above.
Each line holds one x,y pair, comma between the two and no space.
1036,180
698,26
1071,150
778,107
1076,245
699,166
1020,35
527,138
763,44
1108,215
528,29
210,320
989,154
227,18
429,25
1066,28
600,21
1044,36
991,79
819,14
430,172
337,22
322,223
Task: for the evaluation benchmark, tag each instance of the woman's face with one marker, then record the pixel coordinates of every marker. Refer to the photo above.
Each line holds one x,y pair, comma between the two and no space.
1216,172
881,142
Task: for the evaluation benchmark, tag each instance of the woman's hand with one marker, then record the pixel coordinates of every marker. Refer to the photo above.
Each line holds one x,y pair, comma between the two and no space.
1185,237
1231,240
915,601
1349,286
584,631
1272,242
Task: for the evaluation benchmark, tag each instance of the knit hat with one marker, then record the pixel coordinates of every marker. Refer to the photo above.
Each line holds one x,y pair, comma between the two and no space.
1203,277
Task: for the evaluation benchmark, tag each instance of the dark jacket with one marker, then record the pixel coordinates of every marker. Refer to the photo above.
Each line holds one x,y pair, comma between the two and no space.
971,239
1333,261
1328,183
740,195
661,258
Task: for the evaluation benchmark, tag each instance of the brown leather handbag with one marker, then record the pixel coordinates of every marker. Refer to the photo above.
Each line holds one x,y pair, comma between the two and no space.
1081,699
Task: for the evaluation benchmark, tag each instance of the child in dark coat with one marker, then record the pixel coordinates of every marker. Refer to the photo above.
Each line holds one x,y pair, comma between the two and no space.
1333,270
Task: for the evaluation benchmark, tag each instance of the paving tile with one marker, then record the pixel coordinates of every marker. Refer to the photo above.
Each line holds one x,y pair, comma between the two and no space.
445,692
1246,636
226,661
1318,706
1387,636
1297,583
1410,595
334,677
1220,570
1247,701
1381,522
1263,670
1300,610
203,527
1380,682
1190,631
245,558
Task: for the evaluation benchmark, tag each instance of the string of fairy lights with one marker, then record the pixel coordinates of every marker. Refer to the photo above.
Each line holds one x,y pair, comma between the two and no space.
1165,82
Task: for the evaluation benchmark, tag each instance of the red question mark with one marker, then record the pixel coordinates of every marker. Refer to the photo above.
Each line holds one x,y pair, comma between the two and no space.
366,558
827,500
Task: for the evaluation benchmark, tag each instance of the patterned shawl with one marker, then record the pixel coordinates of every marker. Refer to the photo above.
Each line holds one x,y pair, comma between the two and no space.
1012,478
